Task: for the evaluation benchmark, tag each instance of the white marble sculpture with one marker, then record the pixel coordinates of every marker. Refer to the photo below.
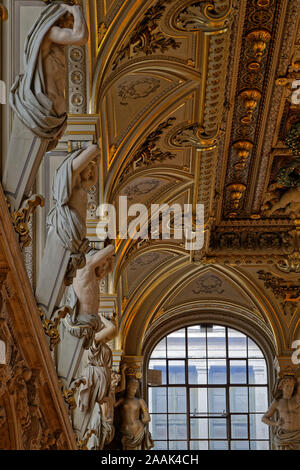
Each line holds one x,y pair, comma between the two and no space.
102,420
286,409
96,375
67,224
38,96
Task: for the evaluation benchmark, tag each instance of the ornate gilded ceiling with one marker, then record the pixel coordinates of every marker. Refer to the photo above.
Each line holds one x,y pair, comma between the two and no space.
196,106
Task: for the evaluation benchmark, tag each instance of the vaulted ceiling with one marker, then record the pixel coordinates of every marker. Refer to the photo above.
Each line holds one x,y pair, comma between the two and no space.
196,106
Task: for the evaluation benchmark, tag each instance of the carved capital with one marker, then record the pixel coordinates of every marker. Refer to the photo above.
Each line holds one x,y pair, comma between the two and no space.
134,366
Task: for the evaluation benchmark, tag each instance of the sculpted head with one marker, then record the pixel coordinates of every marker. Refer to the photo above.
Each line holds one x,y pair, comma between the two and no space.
105,268
287,386
66,21
132,386
89,175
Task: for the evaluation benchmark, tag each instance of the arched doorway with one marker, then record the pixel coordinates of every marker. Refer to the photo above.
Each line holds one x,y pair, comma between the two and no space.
214,390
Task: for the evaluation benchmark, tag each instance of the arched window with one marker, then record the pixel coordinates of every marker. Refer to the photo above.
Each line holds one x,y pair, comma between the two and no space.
213,392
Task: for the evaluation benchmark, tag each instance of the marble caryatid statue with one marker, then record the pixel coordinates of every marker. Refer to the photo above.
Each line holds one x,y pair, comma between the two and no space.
96,375
286,409
83,296
38,95
134,417
67,224
102,420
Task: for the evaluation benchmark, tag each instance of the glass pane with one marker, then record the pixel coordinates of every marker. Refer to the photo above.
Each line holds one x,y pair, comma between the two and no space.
197,371
177,427
216,341
257,371
216,400
159,365
217,428
258,430
258,397
237,344
218,445
198,401
197,341
176,372
158,426
177,445
157,399
217,371
239,426
254,350
238,372
199,428
159,350
199,445
160,445
259,445
177,400
176,344
238,399
239,445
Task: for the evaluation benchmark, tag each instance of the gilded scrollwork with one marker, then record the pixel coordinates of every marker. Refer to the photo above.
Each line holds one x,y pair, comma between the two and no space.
146,38
209,16
148,152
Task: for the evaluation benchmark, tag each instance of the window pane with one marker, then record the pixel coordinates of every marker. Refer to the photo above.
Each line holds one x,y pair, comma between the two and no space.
198,401
253,349
239,445
160,445
238,372
258,397
239,426
199,428
197,341
158,426
177,427
176,372
178,445
176,344
218,445
217,371
159,365
257,371
237,344
199,445
217,362
216,341
238,399
216,400
258,430
159,350
157,400
177,400
197,371
217,428
259,445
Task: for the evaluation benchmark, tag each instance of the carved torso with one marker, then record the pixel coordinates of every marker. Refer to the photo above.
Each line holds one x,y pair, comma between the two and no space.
55,70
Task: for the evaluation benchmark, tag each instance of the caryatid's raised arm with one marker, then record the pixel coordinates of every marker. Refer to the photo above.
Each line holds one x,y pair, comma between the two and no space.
77,36
81,162
102,261
108,332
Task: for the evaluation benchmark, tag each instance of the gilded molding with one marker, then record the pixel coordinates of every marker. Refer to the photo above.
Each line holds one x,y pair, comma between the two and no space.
207,16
